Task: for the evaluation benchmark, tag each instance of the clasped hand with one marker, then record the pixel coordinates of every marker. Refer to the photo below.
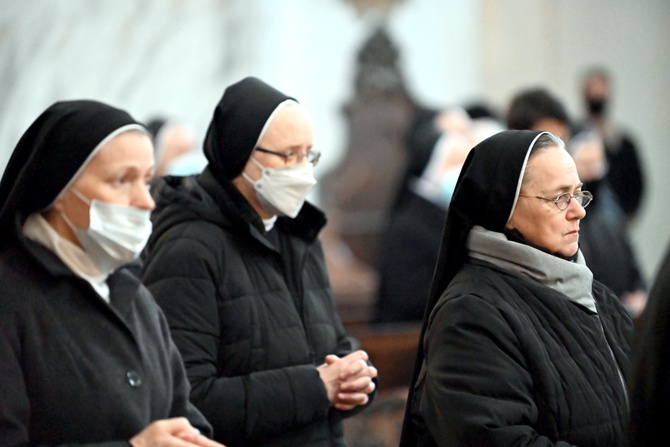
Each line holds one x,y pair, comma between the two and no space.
175,432
348,380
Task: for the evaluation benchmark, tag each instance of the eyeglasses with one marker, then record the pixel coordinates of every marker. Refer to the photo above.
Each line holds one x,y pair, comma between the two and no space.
563,200
312,157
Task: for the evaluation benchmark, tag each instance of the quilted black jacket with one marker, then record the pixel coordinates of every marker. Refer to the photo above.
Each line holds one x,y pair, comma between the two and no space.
251,312
75,370
511,362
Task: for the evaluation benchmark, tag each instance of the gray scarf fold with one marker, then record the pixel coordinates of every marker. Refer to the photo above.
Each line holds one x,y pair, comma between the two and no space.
572,279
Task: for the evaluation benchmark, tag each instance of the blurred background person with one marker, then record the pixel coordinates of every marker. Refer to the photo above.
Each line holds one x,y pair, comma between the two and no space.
535,108
175,148
236,264
625,174
87,356
410,242
604,238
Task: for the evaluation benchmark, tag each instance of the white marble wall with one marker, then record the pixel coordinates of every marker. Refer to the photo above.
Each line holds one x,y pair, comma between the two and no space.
148,56
175,57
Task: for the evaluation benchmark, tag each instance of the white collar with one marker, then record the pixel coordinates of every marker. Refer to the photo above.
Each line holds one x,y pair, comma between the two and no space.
269,223
36,228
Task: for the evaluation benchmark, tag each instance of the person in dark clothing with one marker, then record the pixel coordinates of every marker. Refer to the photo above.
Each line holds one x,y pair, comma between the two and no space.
175,148
236,264
650,380
408,247
520,346
536,108
603,237
625,174
87,356
410,241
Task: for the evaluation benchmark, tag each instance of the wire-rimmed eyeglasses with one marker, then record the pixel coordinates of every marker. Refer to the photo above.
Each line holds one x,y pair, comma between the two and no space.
311,156
563,200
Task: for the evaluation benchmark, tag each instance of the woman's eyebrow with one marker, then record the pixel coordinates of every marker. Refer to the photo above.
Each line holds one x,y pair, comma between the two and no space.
561,188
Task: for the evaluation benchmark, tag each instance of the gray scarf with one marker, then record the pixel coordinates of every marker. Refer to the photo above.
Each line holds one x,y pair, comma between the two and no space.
573,279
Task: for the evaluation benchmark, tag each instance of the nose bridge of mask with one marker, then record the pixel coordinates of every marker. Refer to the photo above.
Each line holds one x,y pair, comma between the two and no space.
120,219
300,170
300,176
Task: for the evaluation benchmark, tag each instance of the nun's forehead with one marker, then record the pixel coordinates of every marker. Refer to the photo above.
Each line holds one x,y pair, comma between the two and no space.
95,151
281,107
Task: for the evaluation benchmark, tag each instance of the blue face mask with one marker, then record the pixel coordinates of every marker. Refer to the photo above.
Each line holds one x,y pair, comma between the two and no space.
447,186
187,164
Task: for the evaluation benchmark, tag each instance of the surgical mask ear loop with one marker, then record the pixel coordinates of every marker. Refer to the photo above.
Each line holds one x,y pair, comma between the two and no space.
246,176
81,196
67,220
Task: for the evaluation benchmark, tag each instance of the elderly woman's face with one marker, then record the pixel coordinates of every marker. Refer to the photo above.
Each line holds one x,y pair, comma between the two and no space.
119,173
551,172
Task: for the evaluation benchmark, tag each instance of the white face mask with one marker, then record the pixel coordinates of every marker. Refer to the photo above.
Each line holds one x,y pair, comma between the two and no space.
283,191
116,234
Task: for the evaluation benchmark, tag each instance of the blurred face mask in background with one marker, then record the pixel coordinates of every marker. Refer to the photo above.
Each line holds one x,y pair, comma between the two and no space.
597,106
447,186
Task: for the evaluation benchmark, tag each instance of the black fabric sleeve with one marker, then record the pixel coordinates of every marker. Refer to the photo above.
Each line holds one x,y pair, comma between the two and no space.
181,275
477,388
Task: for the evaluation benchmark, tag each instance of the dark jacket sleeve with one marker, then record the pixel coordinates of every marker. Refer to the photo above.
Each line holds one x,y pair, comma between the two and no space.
14,404
346,344
181,403
181,275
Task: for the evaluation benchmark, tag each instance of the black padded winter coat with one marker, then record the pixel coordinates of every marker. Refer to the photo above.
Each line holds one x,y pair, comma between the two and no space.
559,368
251,312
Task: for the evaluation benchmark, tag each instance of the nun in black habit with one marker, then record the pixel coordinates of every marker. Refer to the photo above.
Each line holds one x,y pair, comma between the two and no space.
236,264
85,353
520,346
